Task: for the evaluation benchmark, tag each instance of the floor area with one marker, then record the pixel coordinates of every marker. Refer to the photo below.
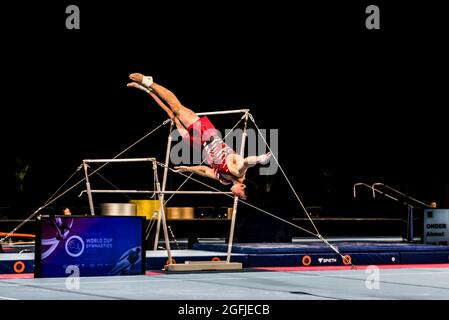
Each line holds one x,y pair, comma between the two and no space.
420,282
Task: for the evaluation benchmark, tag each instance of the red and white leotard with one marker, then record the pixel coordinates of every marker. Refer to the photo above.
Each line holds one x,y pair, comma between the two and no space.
199,132
202,135
216,153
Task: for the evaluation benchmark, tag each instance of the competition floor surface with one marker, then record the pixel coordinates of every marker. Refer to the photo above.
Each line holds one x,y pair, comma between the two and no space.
403,282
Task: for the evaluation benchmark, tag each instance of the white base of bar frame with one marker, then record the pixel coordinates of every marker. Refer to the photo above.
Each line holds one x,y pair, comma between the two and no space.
204,266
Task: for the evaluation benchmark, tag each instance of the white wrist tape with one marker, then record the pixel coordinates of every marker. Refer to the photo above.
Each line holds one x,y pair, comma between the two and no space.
143,88
147,81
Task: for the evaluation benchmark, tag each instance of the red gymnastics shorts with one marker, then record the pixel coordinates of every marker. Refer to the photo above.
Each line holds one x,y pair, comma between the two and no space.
199,132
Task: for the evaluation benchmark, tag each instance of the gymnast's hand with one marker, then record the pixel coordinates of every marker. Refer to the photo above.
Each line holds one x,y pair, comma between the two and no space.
182,169
263,159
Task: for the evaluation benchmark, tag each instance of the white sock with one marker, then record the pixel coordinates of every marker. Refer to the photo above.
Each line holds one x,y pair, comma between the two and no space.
147,81
143,88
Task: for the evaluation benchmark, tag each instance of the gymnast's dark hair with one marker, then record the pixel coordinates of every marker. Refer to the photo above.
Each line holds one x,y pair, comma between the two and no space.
252,189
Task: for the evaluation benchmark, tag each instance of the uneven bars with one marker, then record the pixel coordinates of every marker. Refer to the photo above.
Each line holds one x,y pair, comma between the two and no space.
119,160
222,112
151,191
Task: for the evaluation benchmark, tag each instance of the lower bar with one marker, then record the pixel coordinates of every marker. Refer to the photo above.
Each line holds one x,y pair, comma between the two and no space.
163,192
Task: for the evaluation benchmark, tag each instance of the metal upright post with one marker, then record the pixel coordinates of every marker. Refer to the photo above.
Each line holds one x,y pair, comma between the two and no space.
89,193
164,183
410,234
162,213
236,199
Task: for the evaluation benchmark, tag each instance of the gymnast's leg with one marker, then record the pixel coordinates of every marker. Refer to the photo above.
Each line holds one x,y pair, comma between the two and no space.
184,115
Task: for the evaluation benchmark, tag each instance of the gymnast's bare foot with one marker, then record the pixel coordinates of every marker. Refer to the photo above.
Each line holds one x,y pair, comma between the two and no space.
138,86
137,77
146,81
133,85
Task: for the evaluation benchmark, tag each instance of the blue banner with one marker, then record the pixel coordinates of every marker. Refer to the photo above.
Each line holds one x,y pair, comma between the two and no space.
91,245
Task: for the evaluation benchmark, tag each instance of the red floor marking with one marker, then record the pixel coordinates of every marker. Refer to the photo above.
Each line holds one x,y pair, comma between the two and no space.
285,269
31,275
16,275
324,268
153,273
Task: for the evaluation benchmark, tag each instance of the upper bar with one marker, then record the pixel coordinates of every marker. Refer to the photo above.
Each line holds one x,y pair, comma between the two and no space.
222,112
119,160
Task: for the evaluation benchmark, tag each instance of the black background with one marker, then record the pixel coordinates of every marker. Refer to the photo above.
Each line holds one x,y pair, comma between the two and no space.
350,104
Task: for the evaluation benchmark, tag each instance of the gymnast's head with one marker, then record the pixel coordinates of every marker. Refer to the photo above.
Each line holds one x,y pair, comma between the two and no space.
239,189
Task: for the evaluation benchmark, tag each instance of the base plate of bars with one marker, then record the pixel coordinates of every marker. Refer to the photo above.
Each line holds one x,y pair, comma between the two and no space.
204,266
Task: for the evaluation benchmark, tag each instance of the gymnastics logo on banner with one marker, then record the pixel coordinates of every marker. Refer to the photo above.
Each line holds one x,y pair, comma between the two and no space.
97,246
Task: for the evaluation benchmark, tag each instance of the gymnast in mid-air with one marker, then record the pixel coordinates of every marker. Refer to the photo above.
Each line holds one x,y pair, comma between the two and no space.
225,165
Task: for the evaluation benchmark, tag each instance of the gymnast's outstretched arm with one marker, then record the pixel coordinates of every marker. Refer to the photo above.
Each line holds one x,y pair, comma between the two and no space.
204,171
